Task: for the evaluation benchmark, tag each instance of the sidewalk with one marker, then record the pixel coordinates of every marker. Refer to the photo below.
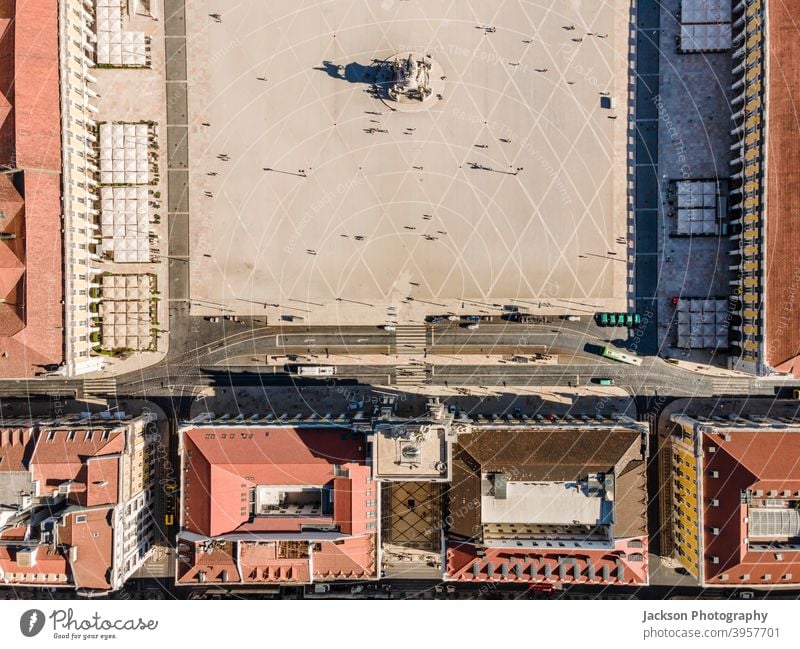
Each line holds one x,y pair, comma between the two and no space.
707,370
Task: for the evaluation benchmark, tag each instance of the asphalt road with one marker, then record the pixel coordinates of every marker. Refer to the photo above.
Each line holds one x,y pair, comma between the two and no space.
204,360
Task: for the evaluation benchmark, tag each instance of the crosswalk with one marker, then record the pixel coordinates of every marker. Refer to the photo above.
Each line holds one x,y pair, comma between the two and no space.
411,341
100,386
410,375
730,385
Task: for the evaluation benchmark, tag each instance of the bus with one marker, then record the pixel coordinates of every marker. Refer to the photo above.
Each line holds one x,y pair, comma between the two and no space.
315,370
614,355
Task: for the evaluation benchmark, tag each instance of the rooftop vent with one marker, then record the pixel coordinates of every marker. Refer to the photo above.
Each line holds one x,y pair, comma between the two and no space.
500,481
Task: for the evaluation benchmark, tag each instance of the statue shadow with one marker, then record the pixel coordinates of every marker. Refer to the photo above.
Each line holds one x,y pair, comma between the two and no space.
352,72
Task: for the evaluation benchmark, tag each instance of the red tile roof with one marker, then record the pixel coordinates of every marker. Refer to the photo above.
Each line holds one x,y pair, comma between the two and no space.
533,565
216,565
51,567
751,460
66,457
353,558
92,540
261,563
16,447
31,317
782,309
80,554
222,465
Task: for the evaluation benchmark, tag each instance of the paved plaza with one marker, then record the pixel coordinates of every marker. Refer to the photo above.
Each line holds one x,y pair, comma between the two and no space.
316,196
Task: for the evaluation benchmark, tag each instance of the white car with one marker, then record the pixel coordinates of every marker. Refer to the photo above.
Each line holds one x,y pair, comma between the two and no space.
389,328
472,327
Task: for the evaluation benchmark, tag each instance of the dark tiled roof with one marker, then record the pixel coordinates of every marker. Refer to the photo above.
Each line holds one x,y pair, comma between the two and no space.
548,455
630,518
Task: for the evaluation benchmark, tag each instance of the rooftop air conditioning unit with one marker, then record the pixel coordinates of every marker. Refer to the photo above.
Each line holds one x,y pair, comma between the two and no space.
715,531
714,474
65,487
712,449
26,557
714,502
715,560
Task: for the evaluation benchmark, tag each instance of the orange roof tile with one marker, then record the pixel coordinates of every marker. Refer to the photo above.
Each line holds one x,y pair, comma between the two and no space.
31,320
782,308
223,464
748,460
614,566
93,543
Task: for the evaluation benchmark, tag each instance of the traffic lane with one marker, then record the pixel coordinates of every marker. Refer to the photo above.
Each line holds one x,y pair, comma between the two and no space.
355,342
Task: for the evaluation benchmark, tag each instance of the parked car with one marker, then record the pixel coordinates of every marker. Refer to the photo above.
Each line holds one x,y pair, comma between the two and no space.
618,319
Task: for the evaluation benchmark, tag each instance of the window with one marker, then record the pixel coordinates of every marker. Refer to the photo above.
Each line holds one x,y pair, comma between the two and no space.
371,514
51,435
371,526
80,518
88,435
71,436
370,503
